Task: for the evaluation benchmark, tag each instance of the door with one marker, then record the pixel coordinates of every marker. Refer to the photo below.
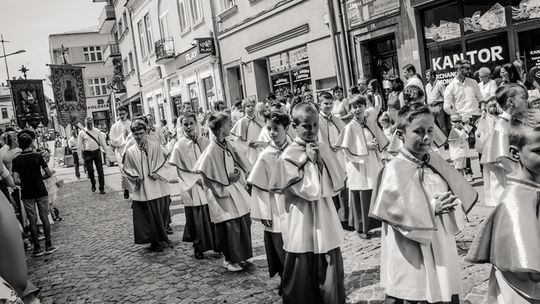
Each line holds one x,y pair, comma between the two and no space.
384,60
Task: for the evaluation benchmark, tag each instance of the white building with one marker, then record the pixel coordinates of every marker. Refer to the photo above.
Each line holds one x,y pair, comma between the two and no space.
7,116
85,48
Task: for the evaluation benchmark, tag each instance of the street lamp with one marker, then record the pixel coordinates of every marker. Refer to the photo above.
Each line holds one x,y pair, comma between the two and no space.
5,56
14,53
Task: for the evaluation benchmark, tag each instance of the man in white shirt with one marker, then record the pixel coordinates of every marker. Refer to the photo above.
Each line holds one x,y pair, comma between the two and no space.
488,86
90,142
72,144
118,137
435,100
409,71
462,96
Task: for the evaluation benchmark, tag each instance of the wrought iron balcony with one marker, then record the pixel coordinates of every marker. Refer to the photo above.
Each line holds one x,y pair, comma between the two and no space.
164,49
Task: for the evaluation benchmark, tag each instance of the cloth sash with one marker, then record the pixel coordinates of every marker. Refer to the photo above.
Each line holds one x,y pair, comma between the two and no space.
290,168
324,123
399,198
212,162
509,238
241,127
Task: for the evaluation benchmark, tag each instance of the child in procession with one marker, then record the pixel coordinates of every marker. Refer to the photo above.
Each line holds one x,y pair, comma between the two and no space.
507,238
496,158
361,142
224,170
199,229
421,200
484,125
307,176
265,207
330,126
246,131
459,143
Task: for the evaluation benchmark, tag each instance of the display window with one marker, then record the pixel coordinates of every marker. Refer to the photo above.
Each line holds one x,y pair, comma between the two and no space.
290,72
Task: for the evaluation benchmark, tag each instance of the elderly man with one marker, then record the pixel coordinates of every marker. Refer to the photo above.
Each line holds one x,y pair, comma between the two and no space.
91,141
435,99
462,96
487,85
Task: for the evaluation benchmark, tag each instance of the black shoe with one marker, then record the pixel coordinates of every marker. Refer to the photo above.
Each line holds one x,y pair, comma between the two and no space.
155,247
101,191
199,255
93,188
126,193
364,236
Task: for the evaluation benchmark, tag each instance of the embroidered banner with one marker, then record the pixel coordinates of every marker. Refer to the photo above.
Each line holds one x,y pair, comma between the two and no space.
68,89
29,102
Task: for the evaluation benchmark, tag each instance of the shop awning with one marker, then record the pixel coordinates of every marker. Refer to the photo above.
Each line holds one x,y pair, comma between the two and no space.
130,99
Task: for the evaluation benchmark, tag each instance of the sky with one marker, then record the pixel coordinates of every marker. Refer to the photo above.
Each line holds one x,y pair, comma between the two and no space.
27,24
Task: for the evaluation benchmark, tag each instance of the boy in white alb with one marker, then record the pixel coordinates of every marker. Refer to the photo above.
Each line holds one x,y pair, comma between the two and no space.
246,131
307,175
361,141
266,208
458,140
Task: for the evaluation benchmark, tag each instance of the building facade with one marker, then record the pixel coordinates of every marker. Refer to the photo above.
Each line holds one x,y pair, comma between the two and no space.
85,48
275,46
7,116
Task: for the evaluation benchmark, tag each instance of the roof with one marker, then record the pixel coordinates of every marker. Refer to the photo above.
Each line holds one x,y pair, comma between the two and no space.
91,29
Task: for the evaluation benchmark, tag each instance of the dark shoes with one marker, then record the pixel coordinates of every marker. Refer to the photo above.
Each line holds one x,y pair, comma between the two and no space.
199,255
50,249
93,188
38,252
155,247
126,193
101,191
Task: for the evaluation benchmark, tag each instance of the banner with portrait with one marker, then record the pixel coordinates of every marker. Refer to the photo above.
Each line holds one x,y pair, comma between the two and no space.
68,89
29,101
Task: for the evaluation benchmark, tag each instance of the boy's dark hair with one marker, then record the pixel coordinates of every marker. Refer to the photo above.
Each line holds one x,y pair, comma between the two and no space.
326,95
187,115
25,141
412,93
29,132
528,119
409,67
354,90
10,129
275,103
359,99
270,96
216,120
506,91
337,88
238,104
142,118
277,117
411,111
137,125
123,108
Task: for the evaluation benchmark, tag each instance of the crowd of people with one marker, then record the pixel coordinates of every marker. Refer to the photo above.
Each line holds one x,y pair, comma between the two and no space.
309,167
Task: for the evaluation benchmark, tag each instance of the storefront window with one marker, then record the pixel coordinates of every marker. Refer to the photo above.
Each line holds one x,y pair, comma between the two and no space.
524,10
290,72
281,83
279,62
441,58
209,91
442,23
529,46
483,16
298,57
488,51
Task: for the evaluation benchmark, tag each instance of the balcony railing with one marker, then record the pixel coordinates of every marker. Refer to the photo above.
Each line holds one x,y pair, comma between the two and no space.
164,49
113,49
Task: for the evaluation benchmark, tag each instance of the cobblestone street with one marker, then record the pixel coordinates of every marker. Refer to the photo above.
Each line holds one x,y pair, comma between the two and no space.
97,261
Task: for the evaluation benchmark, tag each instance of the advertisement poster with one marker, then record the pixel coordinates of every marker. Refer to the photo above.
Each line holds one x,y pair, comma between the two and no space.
362,11
68,89
29,102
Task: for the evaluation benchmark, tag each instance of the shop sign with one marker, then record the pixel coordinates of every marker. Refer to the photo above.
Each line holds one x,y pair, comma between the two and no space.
301,74
475,56
205,45
280,80
362,11
534,56
190,56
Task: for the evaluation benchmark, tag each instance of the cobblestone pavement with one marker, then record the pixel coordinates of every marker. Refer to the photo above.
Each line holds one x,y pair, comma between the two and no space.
97,261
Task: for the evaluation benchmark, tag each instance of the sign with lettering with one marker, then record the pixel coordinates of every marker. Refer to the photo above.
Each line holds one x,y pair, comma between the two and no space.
190,56
362,11
206,45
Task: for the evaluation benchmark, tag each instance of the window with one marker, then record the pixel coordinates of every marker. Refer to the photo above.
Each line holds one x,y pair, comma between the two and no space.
124,17
196,10
120,26
4,113
92,53
142,38
194,95
226,4
97,86
148,26
182,15
125,66
163,26
131,66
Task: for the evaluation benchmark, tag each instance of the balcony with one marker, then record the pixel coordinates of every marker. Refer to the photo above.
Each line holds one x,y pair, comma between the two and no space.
164,49
107,19
111,51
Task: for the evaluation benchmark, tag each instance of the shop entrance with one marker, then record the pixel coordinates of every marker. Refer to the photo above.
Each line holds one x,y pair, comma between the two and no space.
383,57
234,81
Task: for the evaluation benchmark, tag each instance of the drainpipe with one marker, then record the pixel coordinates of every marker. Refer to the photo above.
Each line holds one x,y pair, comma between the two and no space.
344,43
332,26
218,51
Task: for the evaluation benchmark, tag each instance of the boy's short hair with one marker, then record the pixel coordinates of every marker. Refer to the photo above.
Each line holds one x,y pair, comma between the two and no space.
142,118
238,104
275,103
336,89
410,67
411,111
506,91
277,117
138,125
270,96
25,141
303,108
123,108
188,114
29,132
358,99
216,120
519,123
248,101
326,95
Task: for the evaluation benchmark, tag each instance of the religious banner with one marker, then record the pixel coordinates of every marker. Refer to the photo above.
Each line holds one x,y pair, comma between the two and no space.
29,102
68,89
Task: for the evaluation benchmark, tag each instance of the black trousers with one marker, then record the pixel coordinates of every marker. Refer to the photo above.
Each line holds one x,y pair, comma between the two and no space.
76,163
90,158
